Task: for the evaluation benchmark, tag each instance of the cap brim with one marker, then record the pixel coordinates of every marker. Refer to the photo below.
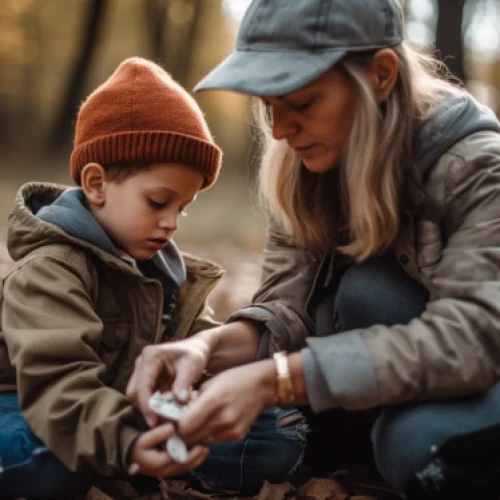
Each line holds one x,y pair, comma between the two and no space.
268,73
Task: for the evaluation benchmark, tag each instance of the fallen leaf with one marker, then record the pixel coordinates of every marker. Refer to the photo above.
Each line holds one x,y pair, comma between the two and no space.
274,491
97,494
321,489
180,490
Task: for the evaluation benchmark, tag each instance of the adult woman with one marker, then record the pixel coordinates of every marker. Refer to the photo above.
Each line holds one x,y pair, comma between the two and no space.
382,260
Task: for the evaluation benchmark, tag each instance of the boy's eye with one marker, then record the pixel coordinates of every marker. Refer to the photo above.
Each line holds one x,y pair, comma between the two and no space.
157,205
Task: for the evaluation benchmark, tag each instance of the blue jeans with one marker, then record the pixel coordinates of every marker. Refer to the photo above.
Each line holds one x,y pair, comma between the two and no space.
27,468
432,450
271,451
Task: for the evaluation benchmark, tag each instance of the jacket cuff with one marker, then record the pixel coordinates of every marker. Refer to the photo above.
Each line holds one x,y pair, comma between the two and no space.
253,313
320,398
128,436
347,369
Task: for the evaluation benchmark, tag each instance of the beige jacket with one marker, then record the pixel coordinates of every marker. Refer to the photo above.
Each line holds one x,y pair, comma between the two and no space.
452,247
74,318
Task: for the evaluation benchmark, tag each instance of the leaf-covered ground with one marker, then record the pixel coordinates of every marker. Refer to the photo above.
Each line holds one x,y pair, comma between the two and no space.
341,485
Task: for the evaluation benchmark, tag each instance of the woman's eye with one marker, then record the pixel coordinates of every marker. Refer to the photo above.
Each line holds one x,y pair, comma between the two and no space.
156,205
301,106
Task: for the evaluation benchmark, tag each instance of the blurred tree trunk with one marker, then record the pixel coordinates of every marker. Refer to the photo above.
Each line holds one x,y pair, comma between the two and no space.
60,134
180,40
449,39
156,18
184,58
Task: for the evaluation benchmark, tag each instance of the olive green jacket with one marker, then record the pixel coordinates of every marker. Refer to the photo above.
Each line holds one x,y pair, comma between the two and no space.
73,320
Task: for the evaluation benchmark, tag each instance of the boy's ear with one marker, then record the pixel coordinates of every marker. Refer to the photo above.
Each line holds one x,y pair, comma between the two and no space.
93,180
383,73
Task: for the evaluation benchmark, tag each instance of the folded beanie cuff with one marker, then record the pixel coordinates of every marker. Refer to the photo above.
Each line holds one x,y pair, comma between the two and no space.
149,147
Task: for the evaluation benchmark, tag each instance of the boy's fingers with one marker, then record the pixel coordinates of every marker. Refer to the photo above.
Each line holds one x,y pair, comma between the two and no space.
156,436
196,456
200,458
156,460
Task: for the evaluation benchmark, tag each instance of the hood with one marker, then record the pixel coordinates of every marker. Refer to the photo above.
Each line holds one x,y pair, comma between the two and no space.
47,213
459,116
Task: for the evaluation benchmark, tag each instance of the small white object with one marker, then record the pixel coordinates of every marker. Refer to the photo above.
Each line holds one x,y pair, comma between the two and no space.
177,449
133,469
165,404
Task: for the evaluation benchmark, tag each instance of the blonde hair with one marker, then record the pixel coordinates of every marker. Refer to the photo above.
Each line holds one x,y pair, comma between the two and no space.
355,208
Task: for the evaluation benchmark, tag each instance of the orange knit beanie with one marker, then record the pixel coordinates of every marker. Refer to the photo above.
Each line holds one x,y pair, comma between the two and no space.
141,115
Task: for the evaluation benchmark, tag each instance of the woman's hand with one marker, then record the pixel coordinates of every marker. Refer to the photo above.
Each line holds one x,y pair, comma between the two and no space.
151,460
228,404
178,365
173,365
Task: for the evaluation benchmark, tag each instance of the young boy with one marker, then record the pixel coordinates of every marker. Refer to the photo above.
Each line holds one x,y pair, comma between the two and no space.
97,277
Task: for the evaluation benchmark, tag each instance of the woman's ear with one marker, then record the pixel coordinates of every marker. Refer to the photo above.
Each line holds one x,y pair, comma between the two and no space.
383,73
93,180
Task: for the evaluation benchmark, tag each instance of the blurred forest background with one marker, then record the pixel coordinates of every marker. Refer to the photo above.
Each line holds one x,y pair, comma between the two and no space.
54,52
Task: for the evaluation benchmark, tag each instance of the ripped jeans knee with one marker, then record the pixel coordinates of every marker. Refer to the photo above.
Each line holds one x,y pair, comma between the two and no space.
441,449
271,451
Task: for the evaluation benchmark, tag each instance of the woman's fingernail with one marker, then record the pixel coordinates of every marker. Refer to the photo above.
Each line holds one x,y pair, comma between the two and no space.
150,421
182,394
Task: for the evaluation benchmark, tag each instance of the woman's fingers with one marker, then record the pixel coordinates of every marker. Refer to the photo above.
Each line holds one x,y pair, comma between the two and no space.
147,372
198,420
186,376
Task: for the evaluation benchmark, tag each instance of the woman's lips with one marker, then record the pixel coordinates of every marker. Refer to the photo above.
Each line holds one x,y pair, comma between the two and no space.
306,150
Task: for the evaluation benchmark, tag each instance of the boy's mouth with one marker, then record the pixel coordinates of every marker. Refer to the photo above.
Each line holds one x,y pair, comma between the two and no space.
159,241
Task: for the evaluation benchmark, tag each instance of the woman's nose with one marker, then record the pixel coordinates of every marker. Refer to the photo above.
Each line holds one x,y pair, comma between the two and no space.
282,125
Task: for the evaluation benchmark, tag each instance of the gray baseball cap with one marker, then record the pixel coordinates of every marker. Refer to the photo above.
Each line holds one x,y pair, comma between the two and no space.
283,45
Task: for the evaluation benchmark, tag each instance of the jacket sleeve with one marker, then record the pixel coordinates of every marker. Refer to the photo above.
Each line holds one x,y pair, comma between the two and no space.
52,333
453,348
288,278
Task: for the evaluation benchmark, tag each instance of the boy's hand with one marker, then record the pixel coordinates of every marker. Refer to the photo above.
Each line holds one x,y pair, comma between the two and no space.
151,458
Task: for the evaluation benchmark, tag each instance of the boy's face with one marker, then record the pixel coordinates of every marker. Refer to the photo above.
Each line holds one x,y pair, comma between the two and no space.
141,213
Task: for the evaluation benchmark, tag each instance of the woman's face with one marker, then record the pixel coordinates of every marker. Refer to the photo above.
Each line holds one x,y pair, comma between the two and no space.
316,121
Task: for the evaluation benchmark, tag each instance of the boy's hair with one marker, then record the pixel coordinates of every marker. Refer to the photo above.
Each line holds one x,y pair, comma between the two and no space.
141,116
119,172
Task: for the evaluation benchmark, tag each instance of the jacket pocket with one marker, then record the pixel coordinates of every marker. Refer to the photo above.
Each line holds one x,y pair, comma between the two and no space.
116,333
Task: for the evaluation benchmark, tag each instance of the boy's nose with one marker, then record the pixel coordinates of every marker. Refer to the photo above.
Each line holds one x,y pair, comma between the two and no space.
170,221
